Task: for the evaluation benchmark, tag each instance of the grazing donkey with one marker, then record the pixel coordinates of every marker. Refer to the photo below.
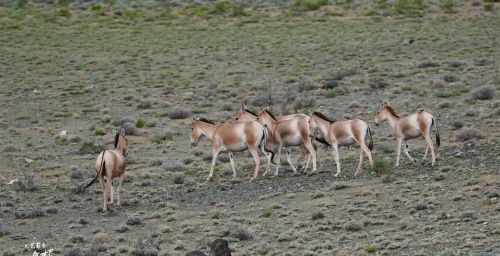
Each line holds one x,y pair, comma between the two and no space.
343,133
409,127
111,164
232,137
286,133
246,115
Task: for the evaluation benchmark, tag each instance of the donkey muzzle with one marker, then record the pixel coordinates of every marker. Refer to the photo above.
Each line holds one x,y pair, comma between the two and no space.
194,144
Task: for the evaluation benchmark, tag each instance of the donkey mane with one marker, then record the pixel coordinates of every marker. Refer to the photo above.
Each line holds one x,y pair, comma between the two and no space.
322,116
117,137
206,120
271,114
392,111
251,112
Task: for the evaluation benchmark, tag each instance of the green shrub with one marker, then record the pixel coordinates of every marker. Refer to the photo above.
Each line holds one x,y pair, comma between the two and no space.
63,2
158,139
140,122
370,248
447,6
96,7
64,12
21,3
489,6
268,212
88,147
331,93
221,6
380,166
99,132
309,5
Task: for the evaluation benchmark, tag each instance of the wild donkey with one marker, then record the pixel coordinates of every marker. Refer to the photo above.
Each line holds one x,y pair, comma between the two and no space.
285,133
233,137
111,164
246,115
343,133
409,127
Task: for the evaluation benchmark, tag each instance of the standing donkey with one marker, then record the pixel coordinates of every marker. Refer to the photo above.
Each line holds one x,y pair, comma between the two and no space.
343,133
285,133
232,137
246,115
409,127
111,164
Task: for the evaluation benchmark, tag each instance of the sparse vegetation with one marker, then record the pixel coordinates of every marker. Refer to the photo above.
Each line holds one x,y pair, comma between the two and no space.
158,139
88,147
238,231
468,134
483,93
380,166
179,113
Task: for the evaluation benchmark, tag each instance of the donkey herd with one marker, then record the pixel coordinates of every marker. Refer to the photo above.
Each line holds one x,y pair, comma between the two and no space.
251,131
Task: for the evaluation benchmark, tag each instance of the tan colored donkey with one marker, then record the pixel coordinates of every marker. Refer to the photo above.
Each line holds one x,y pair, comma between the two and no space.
285,133
110,164
343,133
409,127
232,137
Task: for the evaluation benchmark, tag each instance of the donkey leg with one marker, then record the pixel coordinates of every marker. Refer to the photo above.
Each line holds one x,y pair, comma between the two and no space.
257,163
106,192
335,154
268,167
288,158
231,159
303,153
279,162
425,154
360,162
214,158
312,152
120,180
429,143
307,163
398,150
112,192
408,154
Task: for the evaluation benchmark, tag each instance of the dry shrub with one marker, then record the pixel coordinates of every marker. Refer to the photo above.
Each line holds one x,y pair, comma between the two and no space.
469,134
236,230
179,113
26,184
486,92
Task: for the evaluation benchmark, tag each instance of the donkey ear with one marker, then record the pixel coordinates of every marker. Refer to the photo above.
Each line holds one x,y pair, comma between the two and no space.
268,108
388,102
309,112
122,131
382,103
114,131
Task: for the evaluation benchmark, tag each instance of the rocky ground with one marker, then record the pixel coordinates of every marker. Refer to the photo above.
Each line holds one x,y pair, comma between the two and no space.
66,82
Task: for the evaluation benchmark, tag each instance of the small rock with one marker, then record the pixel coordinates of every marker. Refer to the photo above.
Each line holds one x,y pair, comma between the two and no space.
460,154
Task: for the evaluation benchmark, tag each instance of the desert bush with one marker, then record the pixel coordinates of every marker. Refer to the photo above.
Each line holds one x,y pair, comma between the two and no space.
99,132
450,78
489,6
237,10
134,221
4,230
25,183
377,83
145,104
447,6
236,230
158,139
179,179
330,84
29,213
178,113
456,63
483,93
21,3
370,248
456,124
130,129
427,64
88,147
317,216
469,134
380,166
140,122
268,212
173,167
76,175
352,226
309,5
340,74
331,93
303,103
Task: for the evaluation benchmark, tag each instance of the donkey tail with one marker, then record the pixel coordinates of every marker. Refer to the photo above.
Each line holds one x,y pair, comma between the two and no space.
100,172
438,138
322,141
263,143
370,144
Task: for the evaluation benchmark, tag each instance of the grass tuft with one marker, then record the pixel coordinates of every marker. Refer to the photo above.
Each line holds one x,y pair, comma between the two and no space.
380,166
